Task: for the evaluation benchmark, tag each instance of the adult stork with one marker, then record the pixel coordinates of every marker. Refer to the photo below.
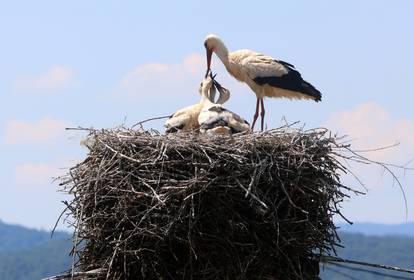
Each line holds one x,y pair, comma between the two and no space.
266,76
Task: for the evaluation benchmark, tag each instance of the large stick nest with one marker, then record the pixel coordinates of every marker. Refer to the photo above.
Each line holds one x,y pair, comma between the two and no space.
188,206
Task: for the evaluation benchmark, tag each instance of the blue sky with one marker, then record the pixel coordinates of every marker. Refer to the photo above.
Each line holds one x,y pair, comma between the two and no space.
96,63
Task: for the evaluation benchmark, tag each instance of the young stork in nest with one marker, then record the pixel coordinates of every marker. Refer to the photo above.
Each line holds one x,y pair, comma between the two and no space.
186,119
266,76
207,116
214,118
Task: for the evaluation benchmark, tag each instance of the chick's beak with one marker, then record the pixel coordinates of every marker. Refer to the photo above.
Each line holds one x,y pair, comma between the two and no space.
218,86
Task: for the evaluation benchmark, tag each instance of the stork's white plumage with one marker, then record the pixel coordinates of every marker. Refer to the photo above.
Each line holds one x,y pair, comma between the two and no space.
265,75
186,119
215,119
206,115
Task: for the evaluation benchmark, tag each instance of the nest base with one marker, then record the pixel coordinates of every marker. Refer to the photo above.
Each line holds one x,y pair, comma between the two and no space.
254,206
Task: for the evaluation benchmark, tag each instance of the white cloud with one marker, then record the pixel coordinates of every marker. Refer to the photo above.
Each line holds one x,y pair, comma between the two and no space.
159,89
372,126
54,79
144,72
195,64
36,173
46,129
165,81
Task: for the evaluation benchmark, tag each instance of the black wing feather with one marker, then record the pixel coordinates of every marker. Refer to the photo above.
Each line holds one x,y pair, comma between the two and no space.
291,81
284,63
217,109
174,129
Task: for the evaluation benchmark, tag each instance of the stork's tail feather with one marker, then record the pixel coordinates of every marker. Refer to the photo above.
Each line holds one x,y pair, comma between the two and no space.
310,90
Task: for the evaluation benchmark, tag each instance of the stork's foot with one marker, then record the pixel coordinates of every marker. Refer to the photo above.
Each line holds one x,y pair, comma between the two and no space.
262,121
254,121
256,114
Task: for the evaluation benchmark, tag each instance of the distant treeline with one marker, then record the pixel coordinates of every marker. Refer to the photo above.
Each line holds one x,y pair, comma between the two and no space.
392,250
27,254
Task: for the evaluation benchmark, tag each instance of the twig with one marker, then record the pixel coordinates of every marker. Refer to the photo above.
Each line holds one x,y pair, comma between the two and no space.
150,119
90,273
252,195
331,259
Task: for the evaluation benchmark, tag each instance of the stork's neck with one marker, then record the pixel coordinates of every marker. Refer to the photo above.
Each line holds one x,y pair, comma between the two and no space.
204,96
222,52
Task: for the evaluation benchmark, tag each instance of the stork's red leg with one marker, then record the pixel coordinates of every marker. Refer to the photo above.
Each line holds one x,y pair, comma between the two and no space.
256,115
262,113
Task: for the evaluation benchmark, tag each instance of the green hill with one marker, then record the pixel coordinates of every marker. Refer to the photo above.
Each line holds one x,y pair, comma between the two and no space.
47,259
27,254
15,237
378,229
392,250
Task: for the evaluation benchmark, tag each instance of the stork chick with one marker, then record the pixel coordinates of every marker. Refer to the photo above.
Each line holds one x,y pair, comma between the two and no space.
215,119
186,119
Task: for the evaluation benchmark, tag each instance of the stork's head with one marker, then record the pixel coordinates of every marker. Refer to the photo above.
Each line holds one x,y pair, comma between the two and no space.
206,86
213,43
209,86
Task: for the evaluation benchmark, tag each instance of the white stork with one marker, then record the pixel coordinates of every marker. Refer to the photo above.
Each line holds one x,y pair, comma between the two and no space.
186,119
265,75
215,119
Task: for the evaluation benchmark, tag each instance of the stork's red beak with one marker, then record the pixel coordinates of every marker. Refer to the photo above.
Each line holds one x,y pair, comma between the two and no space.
209,53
